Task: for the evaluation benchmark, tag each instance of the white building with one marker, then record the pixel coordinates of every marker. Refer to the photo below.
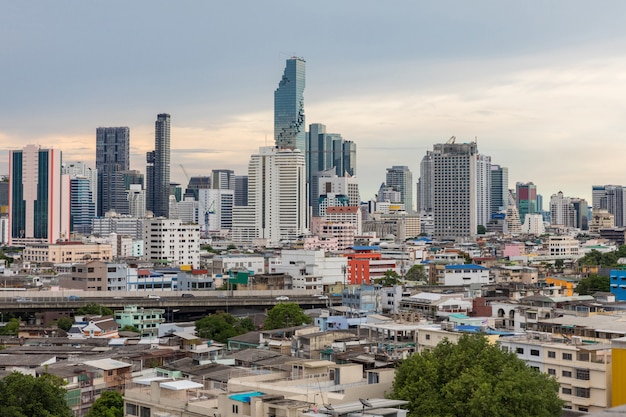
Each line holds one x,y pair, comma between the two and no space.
310,263
215,209
564,247
454,178
348,186
533,225
277,204
120,224
465,274
136,201
170,241
483,189
188,210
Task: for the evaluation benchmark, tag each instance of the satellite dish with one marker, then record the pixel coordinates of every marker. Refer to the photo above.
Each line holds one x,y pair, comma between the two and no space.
366,403
329,407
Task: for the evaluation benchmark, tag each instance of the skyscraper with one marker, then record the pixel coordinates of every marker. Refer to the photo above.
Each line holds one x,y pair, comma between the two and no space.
483,189
82,207
158,169
612,199
223,179
38,196
327,154
289,106
425,187
526,196
400,178
112,157
241,190
454,179
276,209
499,188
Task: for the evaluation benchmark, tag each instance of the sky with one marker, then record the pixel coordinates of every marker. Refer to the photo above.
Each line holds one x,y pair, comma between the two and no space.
540,85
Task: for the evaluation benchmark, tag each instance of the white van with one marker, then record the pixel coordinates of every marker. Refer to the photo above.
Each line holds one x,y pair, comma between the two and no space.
154,296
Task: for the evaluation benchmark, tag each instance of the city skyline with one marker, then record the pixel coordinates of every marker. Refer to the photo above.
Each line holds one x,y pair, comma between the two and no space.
538,85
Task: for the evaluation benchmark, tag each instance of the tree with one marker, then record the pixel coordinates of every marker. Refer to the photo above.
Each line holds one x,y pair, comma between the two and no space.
24,396
389,279
222,326
130,328
481,230
94,309
285,315
593,284
65,323
11,327
474,378
559,264
416,273
110,404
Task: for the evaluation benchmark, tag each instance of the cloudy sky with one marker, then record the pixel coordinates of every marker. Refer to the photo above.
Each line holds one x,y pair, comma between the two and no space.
540,84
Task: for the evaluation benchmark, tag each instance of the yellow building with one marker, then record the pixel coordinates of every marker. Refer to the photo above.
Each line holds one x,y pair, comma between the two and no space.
566,283
618,380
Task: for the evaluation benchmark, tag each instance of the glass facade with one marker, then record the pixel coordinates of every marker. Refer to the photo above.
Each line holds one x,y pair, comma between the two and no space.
289,127
82,208
112,158
158,169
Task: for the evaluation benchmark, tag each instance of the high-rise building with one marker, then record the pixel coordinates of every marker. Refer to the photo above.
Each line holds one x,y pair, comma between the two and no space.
112,157
483,189
425,187
136,196
526,197
611,198
195,184
499,188
158,169
277,207
454,179
39,205
82,207
562,210
289,107
223,179
328,154
215,209
241,190
400,179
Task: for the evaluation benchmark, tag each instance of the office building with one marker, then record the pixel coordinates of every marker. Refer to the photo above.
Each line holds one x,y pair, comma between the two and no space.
39,204
400,179
112,157
82,207
215,209
170,242
327,154
612,199
289,122
158,169
335,185
526,197
454,179
499,188
136,196
80,169
223,179
195,184
241,190
483,189
277,209
425,187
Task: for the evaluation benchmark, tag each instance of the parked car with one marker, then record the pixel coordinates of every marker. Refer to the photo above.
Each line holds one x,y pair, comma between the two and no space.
322,297
23,300
187,295
154,296
282,298
73,298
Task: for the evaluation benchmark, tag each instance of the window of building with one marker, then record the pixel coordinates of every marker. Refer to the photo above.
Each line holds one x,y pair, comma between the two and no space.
566,374
144,412
534,352
567,356
132,409
551,354
583,409
583,392
551,371
566,391
427,337
520,351
235,409
582,374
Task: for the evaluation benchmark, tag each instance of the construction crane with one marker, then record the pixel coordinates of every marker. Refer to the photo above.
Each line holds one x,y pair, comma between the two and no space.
450,141
184,172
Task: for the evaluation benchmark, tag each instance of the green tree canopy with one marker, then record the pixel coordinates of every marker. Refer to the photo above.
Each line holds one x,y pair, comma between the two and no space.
593,284
11,327
222,326
390,279
65,323
94,309
25,396
474,378
285,315
130,328
110,404
481,230
416,273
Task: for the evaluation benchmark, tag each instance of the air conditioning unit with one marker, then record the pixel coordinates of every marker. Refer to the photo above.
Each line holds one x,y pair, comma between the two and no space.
577,340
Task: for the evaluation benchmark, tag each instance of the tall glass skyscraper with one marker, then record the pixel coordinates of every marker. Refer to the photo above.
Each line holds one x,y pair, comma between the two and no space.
158,169
112,157
289,106
400,178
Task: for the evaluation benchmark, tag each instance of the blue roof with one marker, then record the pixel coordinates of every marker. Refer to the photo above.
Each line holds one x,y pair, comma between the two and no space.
466,266
245,396
365,247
